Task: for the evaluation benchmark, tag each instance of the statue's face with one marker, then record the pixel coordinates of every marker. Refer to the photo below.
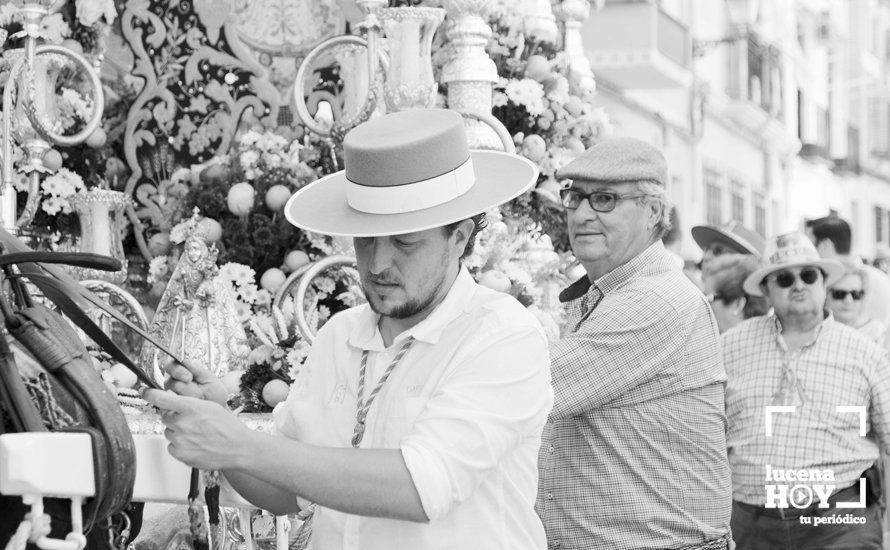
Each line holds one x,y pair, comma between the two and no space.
195,249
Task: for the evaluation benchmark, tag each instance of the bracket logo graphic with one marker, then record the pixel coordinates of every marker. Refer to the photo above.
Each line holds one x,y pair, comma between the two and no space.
802,495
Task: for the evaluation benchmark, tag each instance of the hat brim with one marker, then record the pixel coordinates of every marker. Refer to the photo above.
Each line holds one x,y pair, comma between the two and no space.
321,206
704,236
833,269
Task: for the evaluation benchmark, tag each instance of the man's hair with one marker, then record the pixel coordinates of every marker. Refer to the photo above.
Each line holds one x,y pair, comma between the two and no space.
834,229
657,194
672,235
727,274
479,223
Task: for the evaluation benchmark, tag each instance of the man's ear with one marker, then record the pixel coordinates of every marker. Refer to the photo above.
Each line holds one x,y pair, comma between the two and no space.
462,234
825,248
654,214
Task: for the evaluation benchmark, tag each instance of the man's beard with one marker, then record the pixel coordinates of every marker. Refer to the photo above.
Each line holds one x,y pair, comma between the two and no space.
409,308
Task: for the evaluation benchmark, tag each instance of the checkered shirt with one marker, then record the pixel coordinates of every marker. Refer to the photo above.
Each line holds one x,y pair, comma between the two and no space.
634,452
840,367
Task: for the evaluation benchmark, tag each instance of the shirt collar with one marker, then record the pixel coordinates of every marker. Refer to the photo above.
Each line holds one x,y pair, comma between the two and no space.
615,278
366,335
776,326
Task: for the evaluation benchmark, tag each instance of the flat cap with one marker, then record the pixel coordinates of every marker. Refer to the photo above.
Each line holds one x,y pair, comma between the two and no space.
618,160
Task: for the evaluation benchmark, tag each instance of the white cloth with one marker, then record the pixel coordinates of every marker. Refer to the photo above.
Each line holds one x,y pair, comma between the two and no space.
466,406
875,330
876,304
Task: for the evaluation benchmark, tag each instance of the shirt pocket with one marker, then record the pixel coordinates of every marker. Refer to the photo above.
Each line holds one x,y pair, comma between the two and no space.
402,419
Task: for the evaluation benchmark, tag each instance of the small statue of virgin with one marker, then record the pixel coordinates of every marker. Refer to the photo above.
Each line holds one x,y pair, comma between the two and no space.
196,316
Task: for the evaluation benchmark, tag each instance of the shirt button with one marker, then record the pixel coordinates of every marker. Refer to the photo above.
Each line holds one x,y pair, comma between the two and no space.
551,448
549,496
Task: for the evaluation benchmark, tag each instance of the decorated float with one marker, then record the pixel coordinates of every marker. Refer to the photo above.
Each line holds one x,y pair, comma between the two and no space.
168,135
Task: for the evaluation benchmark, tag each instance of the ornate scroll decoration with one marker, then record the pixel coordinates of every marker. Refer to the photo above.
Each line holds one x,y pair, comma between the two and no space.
199,81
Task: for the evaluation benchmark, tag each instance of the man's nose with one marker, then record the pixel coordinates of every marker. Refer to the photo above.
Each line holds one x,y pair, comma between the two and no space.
380,257
584,211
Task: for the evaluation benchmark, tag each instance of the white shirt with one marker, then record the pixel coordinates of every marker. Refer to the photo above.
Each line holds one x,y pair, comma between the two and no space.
466,406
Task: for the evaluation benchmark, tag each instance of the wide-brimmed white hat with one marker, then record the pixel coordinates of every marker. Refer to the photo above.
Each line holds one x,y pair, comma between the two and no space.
408,171
791,250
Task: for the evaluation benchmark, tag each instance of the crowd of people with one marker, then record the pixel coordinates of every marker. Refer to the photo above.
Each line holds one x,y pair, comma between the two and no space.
747,408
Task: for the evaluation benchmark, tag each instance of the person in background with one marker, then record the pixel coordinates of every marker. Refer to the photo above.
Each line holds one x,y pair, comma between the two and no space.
732,238
800,360
634,453
845,299
723,280
833,239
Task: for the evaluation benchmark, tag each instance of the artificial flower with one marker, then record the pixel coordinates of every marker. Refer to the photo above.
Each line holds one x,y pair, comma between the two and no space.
90,12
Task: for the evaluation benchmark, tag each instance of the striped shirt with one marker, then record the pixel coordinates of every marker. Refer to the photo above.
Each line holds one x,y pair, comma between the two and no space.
634,452
840,367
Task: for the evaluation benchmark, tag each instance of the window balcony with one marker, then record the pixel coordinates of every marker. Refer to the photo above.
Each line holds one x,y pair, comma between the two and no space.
850,164
634,44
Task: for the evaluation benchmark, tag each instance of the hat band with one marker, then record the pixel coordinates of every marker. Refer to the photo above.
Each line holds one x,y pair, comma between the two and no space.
409,197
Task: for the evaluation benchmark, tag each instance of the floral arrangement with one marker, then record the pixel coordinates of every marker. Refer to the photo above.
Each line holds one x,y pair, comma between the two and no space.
242,195
85,21
278,350
81,26
552,119
514,256
274,363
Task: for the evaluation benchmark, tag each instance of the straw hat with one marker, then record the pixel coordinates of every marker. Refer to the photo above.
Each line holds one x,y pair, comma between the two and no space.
408,171
791,250
733,235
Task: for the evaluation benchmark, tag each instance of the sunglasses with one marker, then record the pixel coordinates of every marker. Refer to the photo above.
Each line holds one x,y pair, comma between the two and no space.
599,201
784,279
719,250
839,295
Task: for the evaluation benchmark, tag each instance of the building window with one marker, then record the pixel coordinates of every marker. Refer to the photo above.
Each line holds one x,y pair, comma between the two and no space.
765,77
759,217
879,224
713,201
887,229
738,205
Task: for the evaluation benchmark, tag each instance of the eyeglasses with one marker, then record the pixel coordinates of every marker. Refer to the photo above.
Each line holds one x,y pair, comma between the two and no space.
711,298
599,201
837,294
808,275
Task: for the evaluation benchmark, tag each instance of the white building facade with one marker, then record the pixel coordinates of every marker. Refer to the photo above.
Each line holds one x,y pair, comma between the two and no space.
769,112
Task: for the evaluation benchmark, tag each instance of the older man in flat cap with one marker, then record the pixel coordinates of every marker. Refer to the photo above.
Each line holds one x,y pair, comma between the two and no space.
634,452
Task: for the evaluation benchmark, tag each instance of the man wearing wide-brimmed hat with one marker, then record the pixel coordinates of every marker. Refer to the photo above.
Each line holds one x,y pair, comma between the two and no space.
802,390
635,453
732,238
416,420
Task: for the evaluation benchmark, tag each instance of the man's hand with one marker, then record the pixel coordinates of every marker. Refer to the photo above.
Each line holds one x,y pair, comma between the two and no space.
194,381
201,434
